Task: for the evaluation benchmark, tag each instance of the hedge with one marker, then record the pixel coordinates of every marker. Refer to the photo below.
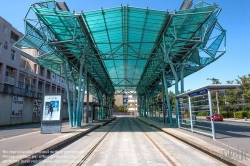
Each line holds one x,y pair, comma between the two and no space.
228,114
202,113
241,114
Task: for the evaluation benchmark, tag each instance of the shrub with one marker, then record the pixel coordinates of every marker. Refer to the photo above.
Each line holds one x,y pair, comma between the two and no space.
227,114
248,114
241,114
230,114
202,113
224,114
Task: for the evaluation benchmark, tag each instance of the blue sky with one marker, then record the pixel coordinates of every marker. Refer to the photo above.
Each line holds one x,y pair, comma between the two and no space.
235,18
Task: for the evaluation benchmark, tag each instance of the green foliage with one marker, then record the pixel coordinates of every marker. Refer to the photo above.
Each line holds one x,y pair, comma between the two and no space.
241,114
224,114
228,114
248,114
202,113
122,108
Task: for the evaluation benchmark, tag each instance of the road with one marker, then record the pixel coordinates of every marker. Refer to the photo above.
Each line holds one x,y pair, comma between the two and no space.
17,130
231,134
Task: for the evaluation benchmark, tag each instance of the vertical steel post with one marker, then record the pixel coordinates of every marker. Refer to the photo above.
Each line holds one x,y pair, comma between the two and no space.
190,113
74,99
158,108
211,113
144,106
176,81
182,77
217,101
167,95
87,108
68,95
163,99
78,122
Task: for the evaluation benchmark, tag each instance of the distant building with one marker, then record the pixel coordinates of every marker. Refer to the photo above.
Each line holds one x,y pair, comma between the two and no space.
128,100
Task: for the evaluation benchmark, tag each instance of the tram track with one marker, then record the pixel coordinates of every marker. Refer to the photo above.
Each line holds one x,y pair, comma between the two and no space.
97,144
93,150
167,156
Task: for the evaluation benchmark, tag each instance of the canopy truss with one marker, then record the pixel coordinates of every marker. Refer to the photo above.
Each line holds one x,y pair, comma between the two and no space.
124,48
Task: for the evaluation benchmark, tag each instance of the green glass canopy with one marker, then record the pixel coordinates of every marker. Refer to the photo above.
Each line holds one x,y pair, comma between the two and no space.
124,47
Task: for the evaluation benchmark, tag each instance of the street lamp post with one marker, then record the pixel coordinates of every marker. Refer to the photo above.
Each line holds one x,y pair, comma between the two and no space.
216,81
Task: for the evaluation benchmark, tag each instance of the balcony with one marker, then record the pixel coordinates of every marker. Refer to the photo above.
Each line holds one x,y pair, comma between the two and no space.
10,89
12,41
9,80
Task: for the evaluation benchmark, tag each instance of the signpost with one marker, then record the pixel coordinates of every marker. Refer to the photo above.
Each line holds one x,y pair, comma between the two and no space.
17,106
51,116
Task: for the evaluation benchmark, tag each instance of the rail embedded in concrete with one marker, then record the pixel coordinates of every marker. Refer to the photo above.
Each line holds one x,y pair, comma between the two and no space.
208,148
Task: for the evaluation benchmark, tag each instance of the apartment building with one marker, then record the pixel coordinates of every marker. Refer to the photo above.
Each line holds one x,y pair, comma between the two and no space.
20,74
128,100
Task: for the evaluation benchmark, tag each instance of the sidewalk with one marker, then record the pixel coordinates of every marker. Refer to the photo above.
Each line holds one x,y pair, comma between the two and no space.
204,143
26,146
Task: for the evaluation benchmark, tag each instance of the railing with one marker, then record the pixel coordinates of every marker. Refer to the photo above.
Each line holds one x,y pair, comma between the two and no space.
10,89
12,41
9,80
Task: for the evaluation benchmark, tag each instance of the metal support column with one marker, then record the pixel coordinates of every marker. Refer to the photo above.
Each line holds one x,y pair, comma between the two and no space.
87,107
176,81
182,77
190,113
74,98
217,101
78,122
163,102
211,113
68,95
144,106
167,95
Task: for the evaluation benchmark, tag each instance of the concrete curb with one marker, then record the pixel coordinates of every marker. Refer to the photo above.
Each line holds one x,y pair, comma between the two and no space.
45,150
203,146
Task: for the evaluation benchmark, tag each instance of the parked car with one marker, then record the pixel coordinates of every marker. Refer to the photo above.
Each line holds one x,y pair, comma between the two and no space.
216,117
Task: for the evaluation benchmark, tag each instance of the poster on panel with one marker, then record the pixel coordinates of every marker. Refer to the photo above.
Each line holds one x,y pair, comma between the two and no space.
37,107
17,106
52,108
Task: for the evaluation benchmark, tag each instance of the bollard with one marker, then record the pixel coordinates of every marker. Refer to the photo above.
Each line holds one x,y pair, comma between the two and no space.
245,118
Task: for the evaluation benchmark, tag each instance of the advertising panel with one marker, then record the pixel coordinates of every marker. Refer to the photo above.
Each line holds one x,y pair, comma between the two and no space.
37,107
17,107
52,107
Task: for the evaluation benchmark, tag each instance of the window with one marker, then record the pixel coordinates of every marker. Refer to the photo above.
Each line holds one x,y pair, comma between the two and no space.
0,48
13,37
5,45
12,55
53,78
6,73
4,29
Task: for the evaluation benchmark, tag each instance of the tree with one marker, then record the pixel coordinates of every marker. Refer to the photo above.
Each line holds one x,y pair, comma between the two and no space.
122,108
244,90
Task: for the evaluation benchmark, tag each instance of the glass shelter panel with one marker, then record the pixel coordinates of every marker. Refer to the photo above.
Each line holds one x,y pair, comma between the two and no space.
200,111
184,113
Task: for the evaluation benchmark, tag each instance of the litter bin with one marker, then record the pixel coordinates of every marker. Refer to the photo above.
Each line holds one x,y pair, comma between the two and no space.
245,118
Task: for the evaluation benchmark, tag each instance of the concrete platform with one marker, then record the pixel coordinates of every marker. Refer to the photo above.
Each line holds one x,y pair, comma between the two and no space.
22,148
204,143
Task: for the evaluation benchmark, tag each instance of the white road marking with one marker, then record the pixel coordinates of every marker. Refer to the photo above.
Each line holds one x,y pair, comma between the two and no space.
232,148
4,139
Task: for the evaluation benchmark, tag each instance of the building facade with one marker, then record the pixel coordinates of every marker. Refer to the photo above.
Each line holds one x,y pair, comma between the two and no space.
128,100
20,72
23,82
